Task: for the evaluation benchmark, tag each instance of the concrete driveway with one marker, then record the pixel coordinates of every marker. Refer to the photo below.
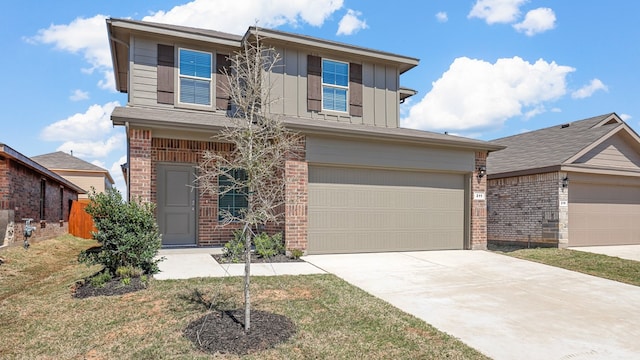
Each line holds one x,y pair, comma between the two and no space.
630,252
504,307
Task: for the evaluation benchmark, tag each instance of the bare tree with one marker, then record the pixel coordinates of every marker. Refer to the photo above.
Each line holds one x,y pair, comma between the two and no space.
255,167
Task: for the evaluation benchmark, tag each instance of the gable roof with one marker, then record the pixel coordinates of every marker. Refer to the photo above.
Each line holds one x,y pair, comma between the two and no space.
120,31
8,152
550,148
62,161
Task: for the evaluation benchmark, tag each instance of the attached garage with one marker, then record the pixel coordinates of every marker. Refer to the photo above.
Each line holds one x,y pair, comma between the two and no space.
369,210
369,197
604,213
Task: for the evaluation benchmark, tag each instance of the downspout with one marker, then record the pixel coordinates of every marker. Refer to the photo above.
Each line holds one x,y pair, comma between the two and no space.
126,127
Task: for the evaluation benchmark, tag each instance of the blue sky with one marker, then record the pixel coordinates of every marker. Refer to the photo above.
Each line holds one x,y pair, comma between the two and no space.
488,68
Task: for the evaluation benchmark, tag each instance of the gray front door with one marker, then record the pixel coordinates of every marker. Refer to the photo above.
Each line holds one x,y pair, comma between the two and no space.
176,204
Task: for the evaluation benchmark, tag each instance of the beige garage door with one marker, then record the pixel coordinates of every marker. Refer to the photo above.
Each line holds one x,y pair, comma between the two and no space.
601,214
369,210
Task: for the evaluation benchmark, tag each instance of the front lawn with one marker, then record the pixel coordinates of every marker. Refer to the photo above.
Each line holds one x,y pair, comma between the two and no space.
39,318
608,267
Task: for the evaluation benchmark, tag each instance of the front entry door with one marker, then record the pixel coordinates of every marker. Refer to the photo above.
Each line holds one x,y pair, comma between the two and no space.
176,205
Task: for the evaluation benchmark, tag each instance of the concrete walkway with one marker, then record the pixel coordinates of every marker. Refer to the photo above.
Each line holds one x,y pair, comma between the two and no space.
630,252
198,262
504,307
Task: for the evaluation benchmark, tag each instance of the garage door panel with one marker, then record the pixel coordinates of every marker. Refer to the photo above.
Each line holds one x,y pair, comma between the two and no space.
363,217
603,214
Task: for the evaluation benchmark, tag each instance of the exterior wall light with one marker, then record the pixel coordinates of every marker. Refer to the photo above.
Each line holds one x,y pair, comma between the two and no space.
565,181
482,171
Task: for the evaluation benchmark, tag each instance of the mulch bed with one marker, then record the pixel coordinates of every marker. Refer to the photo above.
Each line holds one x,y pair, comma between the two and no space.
223,332
280,258
84,289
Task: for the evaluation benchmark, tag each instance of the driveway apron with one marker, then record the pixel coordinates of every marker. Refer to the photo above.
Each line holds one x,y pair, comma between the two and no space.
504,307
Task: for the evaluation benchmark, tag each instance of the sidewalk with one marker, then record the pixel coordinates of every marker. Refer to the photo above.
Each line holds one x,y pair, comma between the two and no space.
197,262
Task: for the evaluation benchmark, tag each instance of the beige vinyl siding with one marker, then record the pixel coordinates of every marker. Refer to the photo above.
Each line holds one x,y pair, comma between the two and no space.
380,102
86,181
144,82
615,152
603,214
369,210
326,150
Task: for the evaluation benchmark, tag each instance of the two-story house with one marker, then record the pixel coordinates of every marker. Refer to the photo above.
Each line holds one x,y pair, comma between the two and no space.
363,184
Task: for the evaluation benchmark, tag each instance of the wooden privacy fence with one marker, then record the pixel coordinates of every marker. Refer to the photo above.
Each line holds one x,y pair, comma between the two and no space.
80,223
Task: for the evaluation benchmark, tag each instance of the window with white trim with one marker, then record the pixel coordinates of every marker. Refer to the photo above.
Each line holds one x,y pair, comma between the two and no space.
335,85
195,77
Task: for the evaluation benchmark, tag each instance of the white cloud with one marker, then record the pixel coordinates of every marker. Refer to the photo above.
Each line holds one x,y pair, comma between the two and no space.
537,21
625,117
474,94
235,16
94,148
116,173
87,36
79,95
588,90
92,124
351,23
442,16
497,11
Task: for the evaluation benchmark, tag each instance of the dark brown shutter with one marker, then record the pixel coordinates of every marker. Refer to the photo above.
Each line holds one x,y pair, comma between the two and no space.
165,74
355,89
223,66
314,83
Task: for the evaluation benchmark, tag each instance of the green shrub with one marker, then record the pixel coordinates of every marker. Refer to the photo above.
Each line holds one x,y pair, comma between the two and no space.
98,280
233,250
268,246
127,233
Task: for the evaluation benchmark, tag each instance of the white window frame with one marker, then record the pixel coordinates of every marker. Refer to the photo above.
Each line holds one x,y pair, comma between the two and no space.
334,86
209,79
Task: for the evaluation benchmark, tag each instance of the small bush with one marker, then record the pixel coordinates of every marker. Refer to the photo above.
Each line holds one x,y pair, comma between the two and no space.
296,253
127,233
98,280
269,246
125,281
234,249
128,272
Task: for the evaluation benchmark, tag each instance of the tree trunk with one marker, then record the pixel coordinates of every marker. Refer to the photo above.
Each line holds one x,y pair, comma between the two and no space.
247,278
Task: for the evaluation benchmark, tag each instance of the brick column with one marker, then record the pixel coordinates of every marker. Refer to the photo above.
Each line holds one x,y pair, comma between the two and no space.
563,212
140,164
296,199
478,239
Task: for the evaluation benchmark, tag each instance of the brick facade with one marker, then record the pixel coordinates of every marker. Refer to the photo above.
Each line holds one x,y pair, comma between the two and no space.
150,151
478,227
20,196
525,210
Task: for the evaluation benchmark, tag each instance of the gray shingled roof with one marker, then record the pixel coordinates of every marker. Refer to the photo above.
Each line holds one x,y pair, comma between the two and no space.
62,161
547,147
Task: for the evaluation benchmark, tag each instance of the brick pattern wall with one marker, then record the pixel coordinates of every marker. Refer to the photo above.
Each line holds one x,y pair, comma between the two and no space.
524,210
140,164
20,194
478,207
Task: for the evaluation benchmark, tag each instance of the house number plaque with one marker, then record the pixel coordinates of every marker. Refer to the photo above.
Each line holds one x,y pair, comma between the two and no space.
478,195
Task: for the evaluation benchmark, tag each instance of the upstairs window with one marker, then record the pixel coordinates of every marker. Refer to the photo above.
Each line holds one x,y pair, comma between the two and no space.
235,199
335,85
195,77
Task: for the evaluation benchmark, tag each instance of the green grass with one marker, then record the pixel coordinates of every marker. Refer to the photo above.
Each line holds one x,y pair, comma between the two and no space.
39,319
608,267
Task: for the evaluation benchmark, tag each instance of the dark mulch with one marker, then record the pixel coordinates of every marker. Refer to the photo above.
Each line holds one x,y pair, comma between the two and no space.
84,289
280,258
223,332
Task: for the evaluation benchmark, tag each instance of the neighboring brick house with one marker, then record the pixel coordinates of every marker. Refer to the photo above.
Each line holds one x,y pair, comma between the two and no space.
82,173
361,184
29,190
573,184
